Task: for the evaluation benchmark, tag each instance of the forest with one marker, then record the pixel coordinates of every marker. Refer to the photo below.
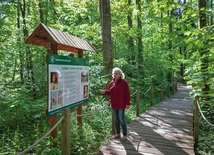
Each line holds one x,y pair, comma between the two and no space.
153,41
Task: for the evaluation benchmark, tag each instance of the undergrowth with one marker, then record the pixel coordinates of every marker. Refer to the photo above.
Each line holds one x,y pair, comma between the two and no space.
86,139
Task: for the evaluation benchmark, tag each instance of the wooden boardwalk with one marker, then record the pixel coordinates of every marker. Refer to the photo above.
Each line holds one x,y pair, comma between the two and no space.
164,129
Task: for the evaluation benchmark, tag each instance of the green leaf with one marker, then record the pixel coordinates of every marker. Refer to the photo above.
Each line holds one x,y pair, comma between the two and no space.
187,33
189,46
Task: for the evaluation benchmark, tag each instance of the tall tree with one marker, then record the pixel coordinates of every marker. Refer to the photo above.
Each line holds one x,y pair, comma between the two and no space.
30,80
106,36
139,41
131,40
182,49
170,14
41,12
211,16
203,52
21,68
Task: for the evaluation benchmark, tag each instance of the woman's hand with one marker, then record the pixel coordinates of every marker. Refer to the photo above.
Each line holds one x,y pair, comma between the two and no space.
110,106
102,91
127,106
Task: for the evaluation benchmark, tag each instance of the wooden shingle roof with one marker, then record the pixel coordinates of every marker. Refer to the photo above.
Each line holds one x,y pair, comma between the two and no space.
45,36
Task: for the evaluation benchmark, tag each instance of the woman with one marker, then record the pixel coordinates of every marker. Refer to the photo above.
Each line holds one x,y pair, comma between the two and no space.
119,92
54,84
85,91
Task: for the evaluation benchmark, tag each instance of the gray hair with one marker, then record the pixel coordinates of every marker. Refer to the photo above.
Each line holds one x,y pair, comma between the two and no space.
122,75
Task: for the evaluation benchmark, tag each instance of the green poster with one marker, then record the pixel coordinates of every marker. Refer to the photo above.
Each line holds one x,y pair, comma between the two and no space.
68,82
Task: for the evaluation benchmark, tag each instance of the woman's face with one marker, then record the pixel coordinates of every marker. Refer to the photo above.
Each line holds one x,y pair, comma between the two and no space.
86,89
117,75
53,78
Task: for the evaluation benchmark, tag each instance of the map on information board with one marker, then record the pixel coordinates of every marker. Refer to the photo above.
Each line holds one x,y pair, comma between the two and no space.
68,82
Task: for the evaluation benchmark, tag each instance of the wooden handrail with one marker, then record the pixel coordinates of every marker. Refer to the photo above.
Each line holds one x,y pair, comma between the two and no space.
151,91
196,122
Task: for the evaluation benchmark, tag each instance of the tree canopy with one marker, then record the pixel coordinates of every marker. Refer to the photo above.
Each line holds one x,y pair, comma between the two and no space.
152,41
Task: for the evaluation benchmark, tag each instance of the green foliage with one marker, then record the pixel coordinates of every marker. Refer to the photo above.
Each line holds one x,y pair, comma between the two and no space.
206,137
23,67
29,120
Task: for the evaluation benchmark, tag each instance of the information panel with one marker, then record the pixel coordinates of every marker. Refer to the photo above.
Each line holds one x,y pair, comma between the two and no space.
68,82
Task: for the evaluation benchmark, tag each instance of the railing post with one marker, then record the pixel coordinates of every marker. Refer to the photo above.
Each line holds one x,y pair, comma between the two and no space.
173,87
79,108
151,95
168,90
176,87
196,121
52,119
138,102
65,146
161,97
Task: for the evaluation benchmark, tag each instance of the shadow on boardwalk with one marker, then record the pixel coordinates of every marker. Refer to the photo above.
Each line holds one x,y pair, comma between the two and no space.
164,129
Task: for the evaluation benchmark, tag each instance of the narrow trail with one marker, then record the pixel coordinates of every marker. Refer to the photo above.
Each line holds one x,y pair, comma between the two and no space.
164,129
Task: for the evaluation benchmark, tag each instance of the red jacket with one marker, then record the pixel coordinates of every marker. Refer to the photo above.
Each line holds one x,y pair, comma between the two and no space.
120,94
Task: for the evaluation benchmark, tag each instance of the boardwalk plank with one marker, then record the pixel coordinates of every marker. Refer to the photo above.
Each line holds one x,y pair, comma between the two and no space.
164,129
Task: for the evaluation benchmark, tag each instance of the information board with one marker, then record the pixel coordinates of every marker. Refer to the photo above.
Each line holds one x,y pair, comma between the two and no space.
68,82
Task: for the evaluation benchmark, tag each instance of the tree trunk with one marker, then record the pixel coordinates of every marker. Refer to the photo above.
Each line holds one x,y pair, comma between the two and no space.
204,59
170,13
131,40
21,68
202,14
41,14
29,64
140,44
211,16
106,36
182,51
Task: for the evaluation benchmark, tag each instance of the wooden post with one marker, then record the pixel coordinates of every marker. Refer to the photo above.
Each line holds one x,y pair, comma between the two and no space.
176,85
196,122
151,95
65,146
138,102
53,134
79,112
162,92
86,104
173,87
79,108
168,90
71,55
52,119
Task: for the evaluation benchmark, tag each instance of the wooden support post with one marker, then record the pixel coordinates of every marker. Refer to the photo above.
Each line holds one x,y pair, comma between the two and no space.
151,95
86,104
65,146
161,97
79,108
138,102
52,119
72,56
168,90
176,85
79,112
196,122
173,87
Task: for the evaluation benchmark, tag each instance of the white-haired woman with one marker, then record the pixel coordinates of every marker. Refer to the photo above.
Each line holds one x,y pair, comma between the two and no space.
119,93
